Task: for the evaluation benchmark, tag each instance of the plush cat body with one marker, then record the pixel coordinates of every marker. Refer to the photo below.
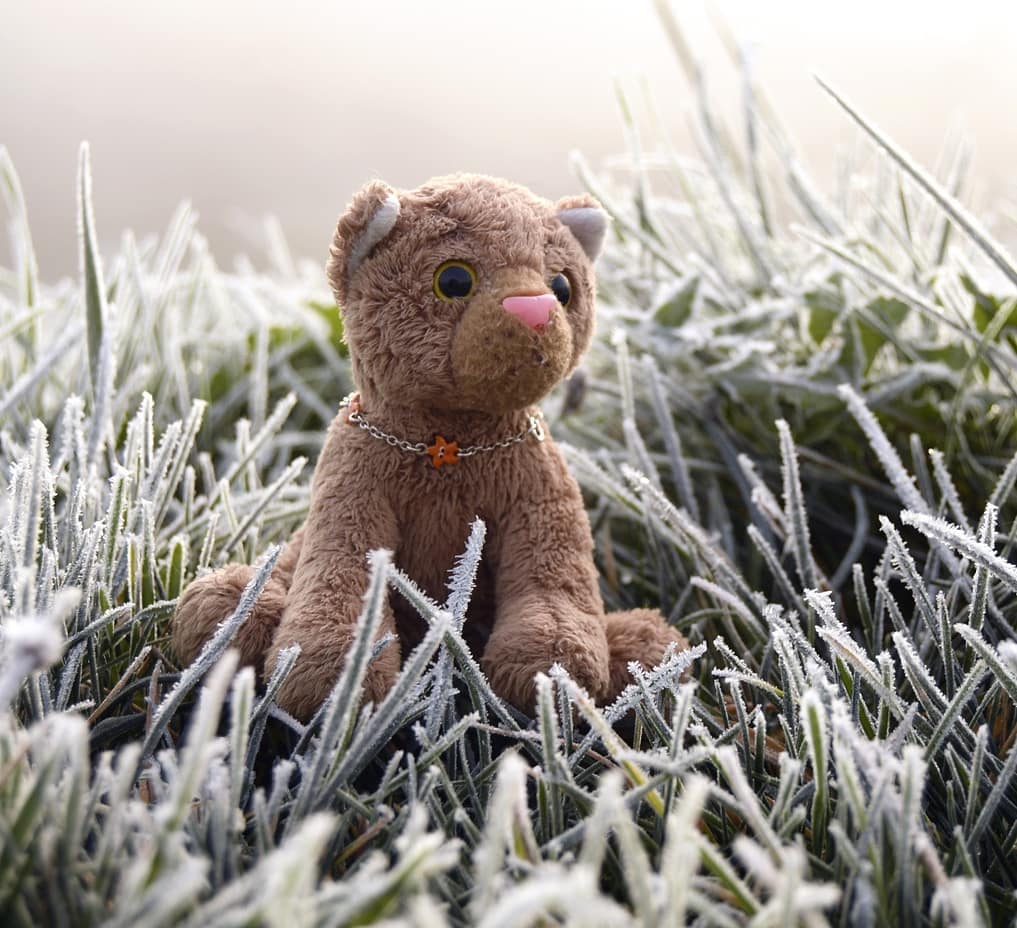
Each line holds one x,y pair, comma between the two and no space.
464,302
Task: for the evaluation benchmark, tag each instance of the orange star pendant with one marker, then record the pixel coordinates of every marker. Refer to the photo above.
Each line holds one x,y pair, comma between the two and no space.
443,452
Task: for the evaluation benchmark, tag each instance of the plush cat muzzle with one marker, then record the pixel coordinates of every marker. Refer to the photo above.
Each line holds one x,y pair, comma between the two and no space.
508,352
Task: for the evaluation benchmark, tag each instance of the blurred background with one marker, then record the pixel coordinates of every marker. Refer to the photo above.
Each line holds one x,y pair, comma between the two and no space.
250,108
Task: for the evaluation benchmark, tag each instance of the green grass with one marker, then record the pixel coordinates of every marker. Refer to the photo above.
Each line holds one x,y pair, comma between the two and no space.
798,433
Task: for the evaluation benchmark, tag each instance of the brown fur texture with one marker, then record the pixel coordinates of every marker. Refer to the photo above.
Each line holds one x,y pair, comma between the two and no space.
469,371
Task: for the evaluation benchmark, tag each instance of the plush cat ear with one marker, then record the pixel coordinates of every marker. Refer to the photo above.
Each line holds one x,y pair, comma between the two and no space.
586,220
368,219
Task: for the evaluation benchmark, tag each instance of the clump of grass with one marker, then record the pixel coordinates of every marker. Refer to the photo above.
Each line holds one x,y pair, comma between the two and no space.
799,440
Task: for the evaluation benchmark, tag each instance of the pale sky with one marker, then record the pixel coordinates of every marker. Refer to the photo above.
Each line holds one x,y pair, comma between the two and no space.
248,108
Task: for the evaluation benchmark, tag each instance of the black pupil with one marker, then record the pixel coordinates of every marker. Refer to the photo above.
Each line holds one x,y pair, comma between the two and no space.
455,282
561,288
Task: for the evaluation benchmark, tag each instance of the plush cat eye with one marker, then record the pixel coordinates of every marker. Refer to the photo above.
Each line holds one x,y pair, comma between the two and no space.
561,288
454,280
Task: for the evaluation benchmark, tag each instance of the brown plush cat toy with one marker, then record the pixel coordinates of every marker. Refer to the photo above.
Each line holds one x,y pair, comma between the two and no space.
464,302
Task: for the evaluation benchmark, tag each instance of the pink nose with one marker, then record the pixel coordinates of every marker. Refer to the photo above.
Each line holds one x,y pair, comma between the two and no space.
533,310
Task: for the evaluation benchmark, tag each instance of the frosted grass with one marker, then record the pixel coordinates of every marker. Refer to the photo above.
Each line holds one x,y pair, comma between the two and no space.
836,747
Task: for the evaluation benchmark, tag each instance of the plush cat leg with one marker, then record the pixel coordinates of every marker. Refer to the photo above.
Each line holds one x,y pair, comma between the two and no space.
548,605
212,598
640,635
348,518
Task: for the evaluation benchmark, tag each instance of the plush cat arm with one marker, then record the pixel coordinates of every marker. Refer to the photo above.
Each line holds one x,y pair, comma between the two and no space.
549,608
349,517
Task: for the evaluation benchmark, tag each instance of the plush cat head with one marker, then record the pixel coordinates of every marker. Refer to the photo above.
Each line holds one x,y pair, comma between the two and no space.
469,293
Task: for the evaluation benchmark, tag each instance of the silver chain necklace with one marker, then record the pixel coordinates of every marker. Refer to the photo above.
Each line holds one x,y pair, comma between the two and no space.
441,452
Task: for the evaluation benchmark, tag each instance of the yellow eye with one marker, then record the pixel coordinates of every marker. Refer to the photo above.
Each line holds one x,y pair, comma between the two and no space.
454,280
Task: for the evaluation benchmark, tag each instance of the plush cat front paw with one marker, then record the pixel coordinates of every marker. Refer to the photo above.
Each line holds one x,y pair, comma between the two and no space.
512,661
